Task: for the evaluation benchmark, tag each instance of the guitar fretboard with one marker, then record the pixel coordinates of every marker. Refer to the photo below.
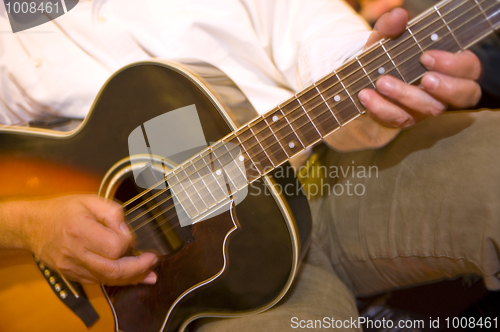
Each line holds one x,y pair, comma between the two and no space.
271,139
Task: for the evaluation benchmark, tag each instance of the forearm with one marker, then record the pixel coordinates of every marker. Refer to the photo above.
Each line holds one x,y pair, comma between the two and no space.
14,218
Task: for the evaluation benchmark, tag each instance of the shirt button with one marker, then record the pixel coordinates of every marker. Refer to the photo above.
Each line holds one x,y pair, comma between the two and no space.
101,19
38,62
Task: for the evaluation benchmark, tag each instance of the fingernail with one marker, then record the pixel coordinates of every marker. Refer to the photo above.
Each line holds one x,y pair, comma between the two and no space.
150,279
364,97
154,261
124,228
384,85
430,82
427,60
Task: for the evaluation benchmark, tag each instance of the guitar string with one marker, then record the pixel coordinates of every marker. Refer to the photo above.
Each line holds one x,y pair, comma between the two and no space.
263,119
418,19
376,47
170,207
277,132
173,226
200,197
270,145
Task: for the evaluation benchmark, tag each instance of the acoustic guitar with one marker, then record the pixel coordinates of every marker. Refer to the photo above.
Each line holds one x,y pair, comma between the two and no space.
229,237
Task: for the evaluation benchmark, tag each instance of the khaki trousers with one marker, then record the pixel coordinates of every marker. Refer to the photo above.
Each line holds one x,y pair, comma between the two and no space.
429,210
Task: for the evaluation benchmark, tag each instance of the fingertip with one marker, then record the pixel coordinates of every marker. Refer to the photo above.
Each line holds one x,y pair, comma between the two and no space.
400,13
427,60
150,279
392,23
364,97
125,230
400,18
149,258
386,84
430,82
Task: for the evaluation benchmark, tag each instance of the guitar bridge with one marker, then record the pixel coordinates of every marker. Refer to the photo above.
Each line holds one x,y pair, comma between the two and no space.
70,293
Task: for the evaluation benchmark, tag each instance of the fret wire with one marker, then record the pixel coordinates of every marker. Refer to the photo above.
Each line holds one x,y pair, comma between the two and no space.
224,186
205,184
222,189
374,70
484,14
390,58
311,99
189,197
324,100
366,73
443,3
496,13
201,178
258,141
318,139
296,134
224,172
225,176
226,168
274,134
348,93
444,21
242,171
267,126
243,147
289,122
428,12
389,54
215,180
196,190
340,91
390,61
423,49
248,154
414,38
311,121
154,196
386,51
480,37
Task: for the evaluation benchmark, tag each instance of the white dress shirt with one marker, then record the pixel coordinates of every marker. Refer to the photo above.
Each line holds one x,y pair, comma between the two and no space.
270,48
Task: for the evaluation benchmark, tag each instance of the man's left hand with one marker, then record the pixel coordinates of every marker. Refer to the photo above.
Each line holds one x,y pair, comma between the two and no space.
451,80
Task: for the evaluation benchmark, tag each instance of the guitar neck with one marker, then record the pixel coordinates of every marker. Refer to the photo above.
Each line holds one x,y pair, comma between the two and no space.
268,141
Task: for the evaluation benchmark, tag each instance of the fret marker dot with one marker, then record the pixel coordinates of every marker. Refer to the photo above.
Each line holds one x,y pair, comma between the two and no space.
275,118
381,70
291,145
218,172
435,37
241,158
336,98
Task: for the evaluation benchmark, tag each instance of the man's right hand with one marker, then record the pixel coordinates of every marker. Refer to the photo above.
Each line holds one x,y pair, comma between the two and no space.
85,238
